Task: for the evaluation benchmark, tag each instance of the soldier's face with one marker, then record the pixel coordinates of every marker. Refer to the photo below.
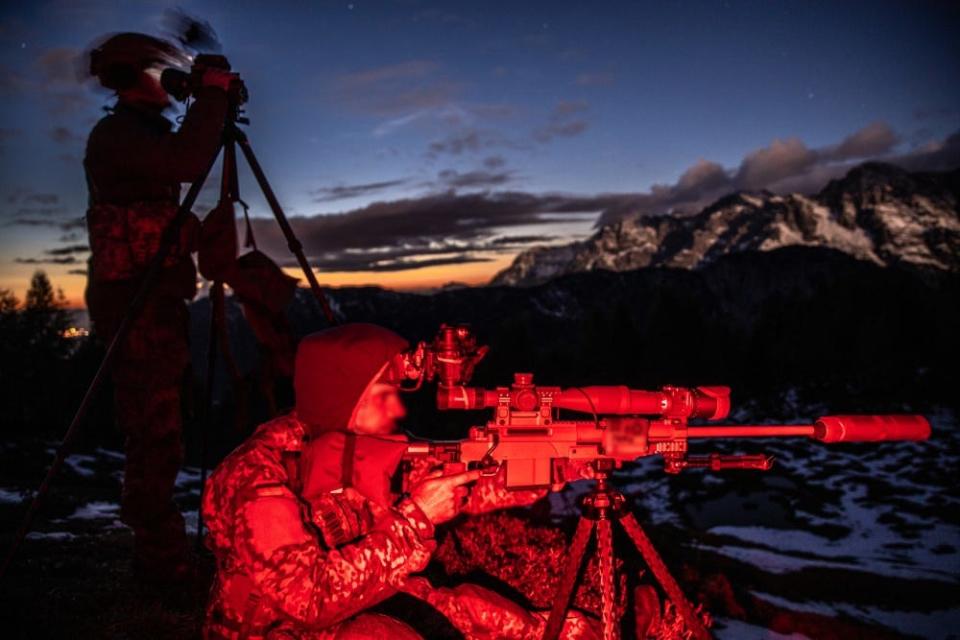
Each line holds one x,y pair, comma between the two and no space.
378,410
148,90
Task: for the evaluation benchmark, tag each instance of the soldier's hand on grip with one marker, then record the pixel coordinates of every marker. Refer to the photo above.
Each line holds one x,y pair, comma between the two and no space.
442,497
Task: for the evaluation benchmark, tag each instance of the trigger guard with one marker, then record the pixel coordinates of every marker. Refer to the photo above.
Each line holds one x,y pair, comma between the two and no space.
489,468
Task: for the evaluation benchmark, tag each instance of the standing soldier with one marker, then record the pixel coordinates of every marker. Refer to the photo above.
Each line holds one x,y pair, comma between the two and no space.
135,166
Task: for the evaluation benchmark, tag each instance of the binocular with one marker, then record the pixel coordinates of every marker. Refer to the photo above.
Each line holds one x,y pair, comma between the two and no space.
181,84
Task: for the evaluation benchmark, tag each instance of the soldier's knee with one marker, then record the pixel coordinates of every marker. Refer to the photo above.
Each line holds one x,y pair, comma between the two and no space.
376,625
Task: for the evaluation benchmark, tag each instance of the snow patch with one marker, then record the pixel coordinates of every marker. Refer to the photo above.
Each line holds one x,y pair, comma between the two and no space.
187,477
53,536
8,496
96,510
80,463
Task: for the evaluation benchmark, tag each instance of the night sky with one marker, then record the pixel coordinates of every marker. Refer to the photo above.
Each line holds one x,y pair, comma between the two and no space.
449,136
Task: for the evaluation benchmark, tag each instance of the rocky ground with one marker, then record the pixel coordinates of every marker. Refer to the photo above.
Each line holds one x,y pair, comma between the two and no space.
840,541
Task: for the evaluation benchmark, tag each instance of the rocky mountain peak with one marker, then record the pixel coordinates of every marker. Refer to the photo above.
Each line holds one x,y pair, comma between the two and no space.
876,212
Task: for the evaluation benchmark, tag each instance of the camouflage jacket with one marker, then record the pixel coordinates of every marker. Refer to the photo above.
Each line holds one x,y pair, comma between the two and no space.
275,569
135,165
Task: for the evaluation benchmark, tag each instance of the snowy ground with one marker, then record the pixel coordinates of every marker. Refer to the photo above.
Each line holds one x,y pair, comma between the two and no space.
868,533
826,521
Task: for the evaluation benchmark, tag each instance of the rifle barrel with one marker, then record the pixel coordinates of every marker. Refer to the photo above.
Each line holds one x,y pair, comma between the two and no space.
843,428
752,431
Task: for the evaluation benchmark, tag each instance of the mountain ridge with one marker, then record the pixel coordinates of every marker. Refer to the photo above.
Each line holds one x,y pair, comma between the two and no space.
876,212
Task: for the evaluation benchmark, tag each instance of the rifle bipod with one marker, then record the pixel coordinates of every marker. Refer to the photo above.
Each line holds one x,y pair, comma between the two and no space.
598,510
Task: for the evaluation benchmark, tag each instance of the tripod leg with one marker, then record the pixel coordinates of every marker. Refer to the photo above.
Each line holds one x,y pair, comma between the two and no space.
170,236
662,574
216,301
611,626
569,580
295,247
228,193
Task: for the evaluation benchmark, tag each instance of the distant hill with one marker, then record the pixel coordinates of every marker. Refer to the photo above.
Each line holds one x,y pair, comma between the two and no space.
876,212
849,333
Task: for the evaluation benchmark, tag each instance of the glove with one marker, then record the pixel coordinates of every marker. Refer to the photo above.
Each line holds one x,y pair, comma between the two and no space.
218,78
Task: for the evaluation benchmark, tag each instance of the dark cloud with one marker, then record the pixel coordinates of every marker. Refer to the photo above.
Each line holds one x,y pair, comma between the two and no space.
380,266
873,140
73,236
437,226
782,159
474,179
935,156
342,192
77,272
564,122
456,143
517,241
26,212
63,135
53,260
63,225
396,258
785,166
569,129
68,250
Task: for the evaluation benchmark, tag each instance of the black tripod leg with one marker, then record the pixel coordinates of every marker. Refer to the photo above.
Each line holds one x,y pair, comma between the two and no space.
295,247
170,236
662,574
216,301
569,580
611,626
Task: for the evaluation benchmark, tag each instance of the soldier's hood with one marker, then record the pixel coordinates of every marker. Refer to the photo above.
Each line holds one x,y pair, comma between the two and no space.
334,367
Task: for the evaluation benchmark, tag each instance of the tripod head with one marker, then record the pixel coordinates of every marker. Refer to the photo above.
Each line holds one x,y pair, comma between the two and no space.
602,502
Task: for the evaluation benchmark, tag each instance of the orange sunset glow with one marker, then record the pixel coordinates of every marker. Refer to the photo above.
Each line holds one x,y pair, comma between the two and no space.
472,274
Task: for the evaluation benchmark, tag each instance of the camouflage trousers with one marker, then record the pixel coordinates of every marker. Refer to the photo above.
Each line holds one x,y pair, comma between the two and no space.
148,374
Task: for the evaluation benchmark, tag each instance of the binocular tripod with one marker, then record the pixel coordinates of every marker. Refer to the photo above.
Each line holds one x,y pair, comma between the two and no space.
598,510
233,136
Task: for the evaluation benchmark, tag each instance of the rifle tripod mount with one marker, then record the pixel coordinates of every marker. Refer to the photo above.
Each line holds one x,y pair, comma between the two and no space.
598,510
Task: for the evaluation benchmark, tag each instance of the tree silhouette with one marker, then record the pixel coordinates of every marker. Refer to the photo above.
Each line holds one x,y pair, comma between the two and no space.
34,353
45,318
